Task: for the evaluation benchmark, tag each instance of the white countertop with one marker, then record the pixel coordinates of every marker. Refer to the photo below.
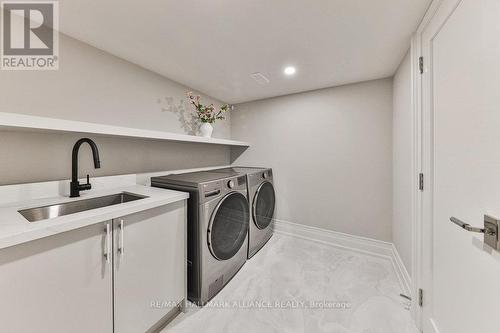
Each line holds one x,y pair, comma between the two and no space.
15,229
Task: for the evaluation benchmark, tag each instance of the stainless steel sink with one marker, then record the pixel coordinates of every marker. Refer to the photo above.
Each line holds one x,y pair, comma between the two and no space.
67,208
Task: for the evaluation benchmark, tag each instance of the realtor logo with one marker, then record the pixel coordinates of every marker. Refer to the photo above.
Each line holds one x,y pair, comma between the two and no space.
29,36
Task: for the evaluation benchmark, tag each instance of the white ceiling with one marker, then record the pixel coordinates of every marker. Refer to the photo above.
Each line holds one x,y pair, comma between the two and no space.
214,45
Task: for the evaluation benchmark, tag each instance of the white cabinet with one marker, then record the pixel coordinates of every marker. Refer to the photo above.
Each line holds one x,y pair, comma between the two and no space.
57,284
149,266
125,275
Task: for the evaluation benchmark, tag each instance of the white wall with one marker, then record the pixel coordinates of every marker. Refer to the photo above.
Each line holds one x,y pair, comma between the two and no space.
331,151
402,161
94,86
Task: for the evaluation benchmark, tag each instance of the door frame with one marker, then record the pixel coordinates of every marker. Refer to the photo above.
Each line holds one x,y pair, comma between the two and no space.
423,160
417,163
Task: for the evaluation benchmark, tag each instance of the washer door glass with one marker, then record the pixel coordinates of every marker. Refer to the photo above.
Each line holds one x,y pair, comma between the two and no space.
229,226
263,205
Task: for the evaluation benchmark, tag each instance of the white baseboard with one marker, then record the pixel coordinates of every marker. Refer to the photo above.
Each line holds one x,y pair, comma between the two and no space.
401,271
364,245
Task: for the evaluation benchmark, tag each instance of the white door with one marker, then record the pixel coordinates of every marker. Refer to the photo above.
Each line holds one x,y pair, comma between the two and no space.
461,117
150,266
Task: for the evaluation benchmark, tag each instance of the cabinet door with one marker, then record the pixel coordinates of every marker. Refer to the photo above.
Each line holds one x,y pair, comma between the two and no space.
58,284
150,266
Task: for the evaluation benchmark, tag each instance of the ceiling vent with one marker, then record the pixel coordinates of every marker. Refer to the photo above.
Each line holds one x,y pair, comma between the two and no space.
260,78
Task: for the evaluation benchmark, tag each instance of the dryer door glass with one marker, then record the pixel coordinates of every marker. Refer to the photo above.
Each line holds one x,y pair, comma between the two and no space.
229,226
263,205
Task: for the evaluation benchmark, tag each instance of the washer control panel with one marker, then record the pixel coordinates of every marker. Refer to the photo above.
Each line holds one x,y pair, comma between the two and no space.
267,174
212,189
216,189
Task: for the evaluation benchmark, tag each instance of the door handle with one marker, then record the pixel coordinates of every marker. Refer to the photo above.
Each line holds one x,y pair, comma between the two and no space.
466,226
490,230
121,244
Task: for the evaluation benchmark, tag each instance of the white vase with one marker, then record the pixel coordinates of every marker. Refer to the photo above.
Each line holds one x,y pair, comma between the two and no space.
206,130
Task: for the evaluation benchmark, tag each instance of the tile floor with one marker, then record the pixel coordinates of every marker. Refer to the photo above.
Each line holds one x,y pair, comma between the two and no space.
298,286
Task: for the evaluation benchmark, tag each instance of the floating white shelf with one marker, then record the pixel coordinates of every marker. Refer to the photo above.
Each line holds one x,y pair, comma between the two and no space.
16,121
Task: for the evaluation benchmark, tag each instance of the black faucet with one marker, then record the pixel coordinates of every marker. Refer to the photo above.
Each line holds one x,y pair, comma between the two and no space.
75,185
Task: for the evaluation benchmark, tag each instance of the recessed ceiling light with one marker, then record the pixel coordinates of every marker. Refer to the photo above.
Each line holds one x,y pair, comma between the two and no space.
290,70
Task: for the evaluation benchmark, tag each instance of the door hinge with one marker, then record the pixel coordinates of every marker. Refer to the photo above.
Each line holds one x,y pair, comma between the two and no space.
421,182
420,297
421,64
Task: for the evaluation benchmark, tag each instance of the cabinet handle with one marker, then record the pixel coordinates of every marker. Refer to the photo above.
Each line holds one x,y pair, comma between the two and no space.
107,243
121,244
